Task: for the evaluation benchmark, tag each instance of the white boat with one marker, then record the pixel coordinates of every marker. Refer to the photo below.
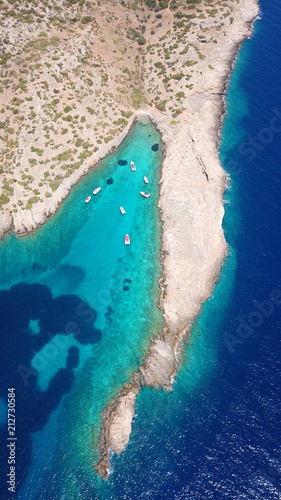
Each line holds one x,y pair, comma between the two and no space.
127,239
133,166
146,180
122,210
146,195
97,190
88,199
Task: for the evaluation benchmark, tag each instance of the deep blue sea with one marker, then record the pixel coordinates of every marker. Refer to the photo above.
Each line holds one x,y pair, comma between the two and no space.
217,435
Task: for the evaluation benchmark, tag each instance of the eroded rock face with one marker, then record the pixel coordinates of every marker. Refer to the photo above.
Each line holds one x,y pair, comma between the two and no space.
160,365
157,370
6,221
120,428
117,426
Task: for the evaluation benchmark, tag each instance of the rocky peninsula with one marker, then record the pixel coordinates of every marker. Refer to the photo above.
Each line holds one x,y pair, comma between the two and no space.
74,75
193,243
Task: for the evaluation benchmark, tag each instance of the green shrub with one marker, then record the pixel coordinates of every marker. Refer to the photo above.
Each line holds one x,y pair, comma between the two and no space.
4,58
4,199
173,5
150,4
37,150
120,122
54,185
178,76
126,114
163,4
86,19
180,95
85,154
161,105
185,50
133,34
32,201
32,161
66,155
189,63
176,113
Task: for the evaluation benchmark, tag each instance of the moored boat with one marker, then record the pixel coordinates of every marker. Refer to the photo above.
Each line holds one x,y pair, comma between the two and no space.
133,166
88,199
122,210
127,239
97,190
146,180
146,195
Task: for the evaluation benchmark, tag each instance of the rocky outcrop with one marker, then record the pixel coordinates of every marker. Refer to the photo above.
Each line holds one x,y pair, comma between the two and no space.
193,243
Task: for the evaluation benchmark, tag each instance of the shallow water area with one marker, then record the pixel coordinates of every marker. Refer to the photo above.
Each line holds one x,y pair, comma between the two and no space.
78,310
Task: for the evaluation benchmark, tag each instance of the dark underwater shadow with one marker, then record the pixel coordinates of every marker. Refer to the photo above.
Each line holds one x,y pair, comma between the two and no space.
64,315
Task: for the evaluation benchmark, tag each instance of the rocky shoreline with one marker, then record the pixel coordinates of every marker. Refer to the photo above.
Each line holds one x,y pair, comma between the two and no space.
193,243
27,222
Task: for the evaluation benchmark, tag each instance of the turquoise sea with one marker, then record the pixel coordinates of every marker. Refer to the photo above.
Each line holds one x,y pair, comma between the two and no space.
85,307
72,334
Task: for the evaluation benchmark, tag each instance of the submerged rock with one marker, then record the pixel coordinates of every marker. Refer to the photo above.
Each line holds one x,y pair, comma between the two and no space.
109,313
122,162
73,358
109,181
35,266
155,147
